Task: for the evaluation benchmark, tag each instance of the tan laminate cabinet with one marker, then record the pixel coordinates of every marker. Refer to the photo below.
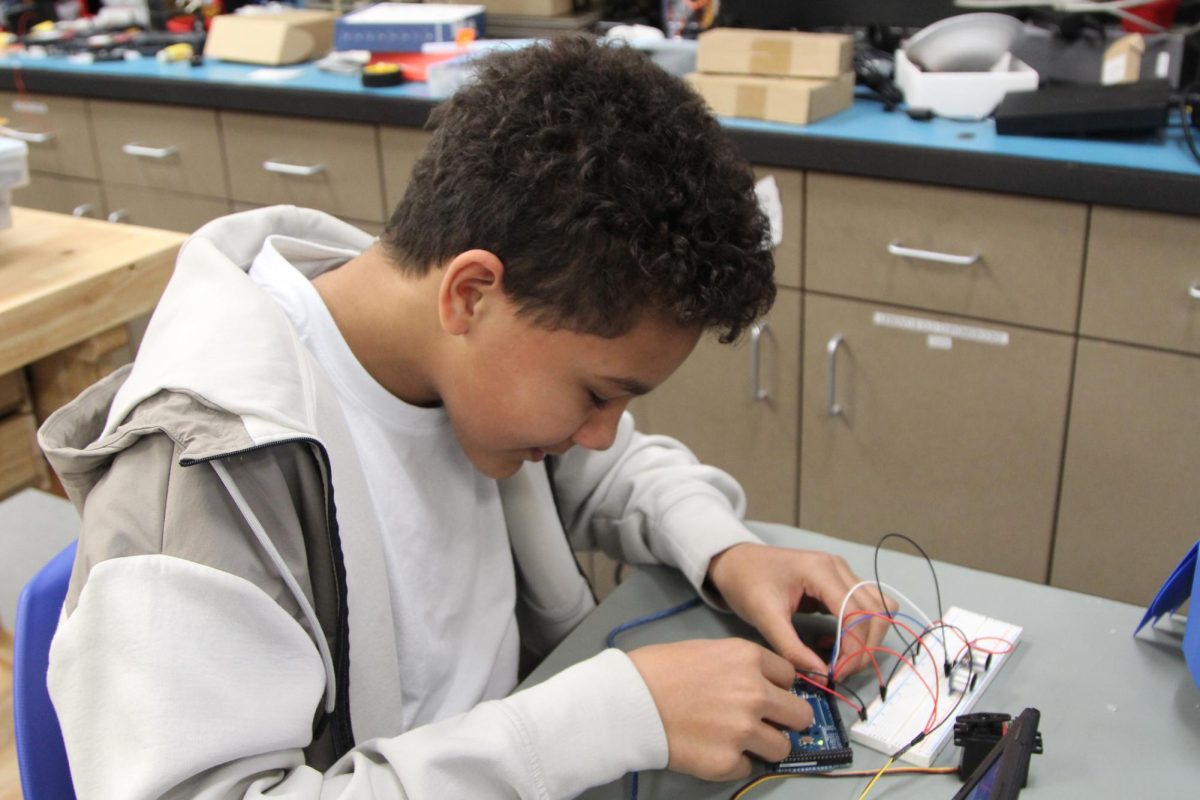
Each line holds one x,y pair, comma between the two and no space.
399,148
160,147
1130,507
738,416
63,176
63,194
789,253
158,208
941,428
976,254
330,166
1143,279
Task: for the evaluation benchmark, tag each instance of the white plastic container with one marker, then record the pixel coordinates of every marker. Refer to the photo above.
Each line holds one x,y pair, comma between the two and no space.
14,172
963,95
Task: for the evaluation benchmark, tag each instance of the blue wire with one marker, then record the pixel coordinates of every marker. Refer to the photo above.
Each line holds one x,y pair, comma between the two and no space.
860,620
611,641
657,615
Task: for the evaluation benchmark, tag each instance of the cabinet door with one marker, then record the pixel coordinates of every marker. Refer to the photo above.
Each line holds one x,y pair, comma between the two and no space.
331,166
945,430
49,192
1130,506
162,147
788,253
56,129
713,405
400,148
155,208
1143,279
979,254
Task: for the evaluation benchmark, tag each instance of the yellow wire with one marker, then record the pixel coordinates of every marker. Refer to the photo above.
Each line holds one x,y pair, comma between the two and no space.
878,775
862,773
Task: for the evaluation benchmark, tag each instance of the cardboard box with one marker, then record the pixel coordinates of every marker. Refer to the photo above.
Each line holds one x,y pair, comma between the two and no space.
528,8
286,37
786,53
795,100
1123,60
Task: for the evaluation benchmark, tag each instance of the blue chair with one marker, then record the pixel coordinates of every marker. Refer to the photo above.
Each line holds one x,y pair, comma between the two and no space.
41,755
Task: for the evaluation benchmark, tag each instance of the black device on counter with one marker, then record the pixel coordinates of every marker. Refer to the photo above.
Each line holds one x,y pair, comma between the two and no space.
1003,771
1086,110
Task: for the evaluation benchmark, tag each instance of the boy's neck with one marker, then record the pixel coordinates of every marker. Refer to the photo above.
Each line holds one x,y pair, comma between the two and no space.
389,321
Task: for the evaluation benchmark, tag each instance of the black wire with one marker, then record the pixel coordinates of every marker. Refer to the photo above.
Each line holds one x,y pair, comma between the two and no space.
936,587
924,633
841,688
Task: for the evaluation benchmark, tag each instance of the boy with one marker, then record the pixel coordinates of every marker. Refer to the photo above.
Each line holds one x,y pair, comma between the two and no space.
341,470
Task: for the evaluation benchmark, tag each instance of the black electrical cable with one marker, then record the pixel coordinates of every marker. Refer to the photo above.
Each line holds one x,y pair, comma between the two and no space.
936,587
841,687
1186,98
913,644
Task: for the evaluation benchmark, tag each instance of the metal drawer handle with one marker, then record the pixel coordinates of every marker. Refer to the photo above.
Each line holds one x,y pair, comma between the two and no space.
1194,291
142,151
120,215
897,249
834,408
293,169
27,136
83,210
757,330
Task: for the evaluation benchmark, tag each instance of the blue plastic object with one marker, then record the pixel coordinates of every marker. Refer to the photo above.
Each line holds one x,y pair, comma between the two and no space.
41,755
1183,583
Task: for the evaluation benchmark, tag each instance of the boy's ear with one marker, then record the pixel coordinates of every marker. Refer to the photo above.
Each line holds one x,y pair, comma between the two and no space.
468,281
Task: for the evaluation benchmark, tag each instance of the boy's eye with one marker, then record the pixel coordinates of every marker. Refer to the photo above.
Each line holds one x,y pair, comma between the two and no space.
597,400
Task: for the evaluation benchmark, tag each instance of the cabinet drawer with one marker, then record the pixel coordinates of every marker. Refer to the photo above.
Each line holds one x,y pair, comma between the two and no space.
1129,502
788,253
21,462
49,192
331,166
57,130
163,147
1019,259
938,427
400,148
1142,283
158,208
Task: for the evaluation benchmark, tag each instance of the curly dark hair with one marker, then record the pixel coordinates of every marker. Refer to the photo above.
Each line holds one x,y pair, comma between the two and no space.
604,185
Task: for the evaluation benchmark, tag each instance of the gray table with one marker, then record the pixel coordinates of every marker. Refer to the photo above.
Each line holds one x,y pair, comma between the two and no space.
1120,716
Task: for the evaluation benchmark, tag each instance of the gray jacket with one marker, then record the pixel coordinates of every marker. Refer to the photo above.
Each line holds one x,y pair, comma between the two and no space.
228,611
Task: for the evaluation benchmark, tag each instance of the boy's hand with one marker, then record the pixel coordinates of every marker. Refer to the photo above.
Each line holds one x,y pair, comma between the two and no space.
765,586
720,700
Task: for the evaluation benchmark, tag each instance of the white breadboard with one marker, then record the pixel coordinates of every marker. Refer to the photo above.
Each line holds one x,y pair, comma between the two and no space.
893,723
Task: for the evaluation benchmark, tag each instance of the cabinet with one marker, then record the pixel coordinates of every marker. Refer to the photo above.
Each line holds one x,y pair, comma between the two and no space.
1129,506
737,408
63,173
934,426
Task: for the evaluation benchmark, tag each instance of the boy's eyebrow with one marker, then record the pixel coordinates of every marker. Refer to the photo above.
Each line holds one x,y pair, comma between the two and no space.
628,385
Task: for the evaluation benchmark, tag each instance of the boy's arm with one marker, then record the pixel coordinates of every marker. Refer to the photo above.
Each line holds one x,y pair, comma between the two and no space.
648,499
174,676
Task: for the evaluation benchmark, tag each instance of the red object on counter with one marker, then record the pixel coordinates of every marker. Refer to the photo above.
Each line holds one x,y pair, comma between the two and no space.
1160,12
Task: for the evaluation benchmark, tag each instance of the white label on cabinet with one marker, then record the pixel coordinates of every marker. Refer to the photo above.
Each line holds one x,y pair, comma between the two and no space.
768,200
932,327
936,341
30,107
1162,65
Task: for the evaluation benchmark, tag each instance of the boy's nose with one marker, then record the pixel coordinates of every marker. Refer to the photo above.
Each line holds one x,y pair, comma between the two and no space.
599,431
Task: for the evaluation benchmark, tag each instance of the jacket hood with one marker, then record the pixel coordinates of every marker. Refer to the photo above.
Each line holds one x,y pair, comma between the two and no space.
217,349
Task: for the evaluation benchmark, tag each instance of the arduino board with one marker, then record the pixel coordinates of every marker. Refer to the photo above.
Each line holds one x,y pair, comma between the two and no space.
824,745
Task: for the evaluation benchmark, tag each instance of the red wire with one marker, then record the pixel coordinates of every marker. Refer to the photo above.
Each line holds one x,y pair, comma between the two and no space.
838,695
874,661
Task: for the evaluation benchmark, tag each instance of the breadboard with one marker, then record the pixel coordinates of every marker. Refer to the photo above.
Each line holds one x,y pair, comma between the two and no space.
892,723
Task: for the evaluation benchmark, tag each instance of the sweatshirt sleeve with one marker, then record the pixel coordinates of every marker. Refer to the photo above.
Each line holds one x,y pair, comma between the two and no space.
173,679
648,499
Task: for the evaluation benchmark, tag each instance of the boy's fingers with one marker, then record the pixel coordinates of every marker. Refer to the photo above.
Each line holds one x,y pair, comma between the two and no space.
789,711
781,634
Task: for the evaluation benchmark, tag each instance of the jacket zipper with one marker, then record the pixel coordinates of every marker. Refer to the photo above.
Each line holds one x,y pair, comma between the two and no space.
343,732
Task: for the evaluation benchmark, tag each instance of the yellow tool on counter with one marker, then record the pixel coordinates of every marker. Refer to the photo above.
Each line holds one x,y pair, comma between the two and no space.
181,51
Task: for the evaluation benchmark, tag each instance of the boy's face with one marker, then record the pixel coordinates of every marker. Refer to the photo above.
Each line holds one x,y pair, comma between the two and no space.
520,392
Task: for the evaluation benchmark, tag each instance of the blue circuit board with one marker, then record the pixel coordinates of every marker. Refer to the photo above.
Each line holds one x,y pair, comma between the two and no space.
825,745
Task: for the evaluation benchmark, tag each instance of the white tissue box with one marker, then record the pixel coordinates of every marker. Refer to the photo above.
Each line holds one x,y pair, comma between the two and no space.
963,95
